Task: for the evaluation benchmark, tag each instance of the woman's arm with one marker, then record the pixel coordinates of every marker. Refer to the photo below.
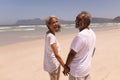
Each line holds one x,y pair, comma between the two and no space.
55,50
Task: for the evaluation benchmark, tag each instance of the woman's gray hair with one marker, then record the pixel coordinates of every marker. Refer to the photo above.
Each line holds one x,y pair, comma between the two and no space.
48,20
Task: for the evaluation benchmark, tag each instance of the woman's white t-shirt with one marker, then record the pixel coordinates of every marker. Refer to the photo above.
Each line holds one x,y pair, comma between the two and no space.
50,61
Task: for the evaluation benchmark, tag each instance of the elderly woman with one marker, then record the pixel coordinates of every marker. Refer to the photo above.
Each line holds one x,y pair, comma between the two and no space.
52,59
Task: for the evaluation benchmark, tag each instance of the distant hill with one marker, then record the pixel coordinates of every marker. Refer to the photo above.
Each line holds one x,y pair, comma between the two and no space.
101,20
116,19
38,21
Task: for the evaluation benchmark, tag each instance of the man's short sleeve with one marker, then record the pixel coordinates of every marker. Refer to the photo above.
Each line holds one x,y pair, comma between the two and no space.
76,44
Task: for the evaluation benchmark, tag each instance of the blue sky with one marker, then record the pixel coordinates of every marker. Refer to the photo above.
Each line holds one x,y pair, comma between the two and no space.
12,10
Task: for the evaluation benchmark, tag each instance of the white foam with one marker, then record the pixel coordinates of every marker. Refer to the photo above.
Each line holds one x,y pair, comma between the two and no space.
30,29
5,28
26,26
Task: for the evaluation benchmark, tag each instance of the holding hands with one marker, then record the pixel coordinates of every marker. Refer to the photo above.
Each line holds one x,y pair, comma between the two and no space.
66,70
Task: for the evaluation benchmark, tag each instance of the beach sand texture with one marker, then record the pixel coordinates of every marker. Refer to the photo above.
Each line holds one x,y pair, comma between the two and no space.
24,60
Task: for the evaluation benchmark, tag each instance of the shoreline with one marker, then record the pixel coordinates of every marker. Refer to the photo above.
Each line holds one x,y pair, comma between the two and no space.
14,37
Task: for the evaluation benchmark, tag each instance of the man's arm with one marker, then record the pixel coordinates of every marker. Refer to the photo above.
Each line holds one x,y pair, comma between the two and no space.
70,57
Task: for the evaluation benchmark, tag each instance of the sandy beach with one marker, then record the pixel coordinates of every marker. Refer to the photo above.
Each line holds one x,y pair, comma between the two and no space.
24,60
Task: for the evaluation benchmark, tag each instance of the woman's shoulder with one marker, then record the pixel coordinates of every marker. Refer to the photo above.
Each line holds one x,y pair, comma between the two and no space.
50,35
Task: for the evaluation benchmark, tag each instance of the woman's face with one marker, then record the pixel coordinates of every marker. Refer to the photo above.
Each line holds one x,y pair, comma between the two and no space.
54,25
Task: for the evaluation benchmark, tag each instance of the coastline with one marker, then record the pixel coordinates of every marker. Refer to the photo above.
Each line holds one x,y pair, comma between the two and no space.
24,60
16,34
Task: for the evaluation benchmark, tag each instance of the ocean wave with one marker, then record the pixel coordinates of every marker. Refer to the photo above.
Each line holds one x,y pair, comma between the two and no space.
6,30
1,28
42,28
23,26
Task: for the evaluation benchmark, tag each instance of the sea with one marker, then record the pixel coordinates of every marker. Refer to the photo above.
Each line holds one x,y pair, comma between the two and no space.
15,34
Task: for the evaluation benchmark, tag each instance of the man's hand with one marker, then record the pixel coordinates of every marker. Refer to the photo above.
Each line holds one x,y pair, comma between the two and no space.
66,70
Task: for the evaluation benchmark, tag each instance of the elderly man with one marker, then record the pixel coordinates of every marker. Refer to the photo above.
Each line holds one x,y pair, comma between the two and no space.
78,63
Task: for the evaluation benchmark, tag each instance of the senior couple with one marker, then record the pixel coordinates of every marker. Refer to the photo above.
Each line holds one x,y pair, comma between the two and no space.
82,49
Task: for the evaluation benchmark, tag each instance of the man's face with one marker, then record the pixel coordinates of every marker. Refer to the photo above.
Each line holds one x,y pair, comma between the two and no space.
78,22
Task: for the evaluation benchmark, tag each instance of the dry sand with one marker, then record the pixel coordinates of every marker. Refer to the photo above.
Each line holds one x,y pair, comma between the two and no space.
24,60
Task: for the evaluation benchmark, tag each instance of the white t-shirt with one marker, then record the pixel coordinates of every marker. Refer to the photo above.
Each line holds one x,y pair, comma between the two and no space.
83,44
50,61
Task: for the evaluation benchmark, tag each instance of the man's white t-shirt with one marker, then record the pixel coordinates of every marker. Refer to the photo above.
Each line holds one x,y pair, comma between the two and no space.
50,61
83,44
